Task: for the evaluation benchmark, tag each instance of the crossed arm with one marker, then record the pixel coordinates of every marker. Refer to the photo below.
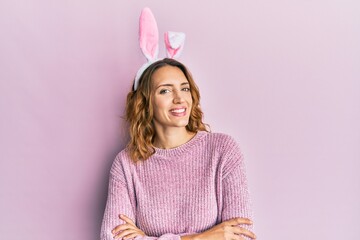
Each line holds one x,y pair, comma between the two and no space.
236,203
226,230
235,220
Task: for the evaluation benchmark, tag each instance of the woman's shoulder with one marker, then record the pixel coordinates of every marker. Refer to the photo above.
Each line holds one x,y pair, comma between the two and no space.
230,152
220,135
123,155
122,161
221,139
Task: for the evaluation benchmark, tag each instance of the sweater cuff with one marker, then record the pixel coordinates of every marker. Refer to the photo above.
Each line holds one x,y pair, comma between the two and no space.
167,236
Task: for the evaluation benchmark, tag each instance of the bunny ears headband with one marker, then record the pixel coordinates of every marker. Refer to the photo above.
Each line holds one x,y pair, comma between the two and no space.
149,42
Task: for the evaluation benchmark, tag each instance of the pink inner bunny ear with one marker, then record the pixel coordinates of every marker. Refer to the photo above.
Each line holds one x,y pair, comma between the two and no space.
148,35
174,42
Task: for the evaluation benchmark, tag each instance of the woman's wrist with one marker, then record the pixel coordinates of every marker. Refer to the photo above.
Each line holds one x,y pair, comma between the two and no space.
190,237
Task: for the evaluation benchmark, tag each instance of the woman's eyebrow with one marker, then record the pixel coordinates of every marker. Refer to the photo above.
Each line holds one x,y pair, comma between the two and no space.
170,85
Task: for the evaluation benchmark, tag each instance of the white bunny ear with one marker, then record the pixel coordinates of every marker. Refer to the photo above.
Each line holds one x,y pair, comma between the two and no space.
174,42
148,35
149,41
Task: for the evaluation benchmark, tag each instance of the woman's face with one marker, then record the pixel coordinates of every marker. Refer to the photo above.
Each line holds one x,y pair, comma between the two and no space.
172,99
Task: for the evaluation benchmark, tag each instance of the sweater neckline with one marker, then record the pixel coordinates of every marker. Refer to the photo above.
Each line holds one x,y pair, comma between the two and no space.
179,150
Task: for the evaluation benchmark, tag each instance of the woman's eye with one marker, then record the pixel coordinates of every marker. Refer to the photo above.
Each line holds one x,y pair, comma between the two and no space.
164,91
186,89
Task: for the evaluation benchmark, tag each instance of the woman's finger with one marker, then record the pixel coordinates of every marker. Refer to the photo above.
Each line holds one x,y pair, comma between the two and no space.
243,231
236,221
126,219
123,227
132,235
124,233
237,237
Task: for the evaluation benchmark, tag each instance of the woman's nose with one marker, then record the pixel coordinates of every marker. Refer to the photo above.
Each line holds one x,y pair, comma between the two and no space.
178,97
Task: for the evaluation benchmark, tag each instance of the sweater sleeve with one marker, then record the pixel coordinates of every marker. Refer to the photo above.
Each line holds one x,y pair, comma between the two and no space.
236,197
118,202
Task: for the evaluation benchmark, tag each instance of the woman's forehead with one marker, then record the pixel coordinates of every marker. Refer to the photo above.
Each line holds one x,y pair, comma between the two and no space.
169,75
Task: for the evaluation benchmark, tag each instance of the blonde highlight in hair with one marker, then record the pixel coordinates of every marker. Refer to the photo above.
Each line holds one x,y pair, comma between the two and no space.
139,111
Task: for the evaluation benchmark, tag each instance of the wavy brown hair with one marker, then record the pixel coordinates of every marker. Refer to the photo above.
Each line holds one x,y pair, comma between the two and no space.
139,111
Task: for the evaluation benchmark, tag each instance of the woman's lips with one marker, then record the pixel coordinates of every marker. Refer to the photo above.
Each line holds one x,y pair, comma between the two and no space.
178,112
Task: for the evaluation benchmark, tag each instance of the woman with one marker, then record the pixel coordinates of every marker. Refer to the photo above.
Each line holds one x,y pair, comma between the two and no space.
175,180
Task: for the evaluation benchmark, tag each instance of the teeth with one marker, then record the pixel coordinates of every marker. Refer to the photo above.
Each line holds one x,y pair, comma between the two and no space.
178,110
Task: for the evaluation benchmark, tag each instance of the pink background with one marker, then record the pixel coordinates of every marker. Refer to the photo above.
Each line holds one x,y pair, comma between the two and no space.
282,77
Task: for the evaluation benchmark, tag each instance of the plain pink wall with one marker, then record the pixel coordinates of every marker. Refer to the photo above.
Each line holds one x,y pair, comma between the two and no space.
281,76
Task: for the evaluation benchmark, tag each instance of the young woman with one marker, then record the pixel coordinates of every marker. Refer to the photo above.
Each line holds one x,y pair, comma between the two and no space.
175,179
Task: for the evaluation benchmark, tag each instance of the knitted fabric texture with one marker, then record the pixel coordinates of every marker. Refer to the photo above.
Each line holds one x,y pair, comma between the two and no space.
179,191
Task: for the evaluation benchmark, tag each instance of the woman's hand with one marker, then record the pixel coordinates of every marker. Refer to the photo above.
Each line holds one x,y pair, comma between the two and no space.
227,230
127,230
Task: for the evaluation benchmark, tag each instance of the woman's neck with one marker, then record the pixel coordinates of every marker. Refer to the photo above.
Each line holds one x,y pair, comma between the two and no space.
172,138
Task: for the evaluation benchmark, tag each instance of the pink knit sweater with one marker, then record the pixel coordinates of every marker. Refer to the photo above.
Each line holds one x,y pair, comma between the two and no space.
179,191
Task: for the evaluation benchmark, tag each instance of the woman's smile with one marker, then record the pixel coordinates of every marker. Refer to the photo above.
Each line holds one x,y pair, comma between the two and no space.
178,112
